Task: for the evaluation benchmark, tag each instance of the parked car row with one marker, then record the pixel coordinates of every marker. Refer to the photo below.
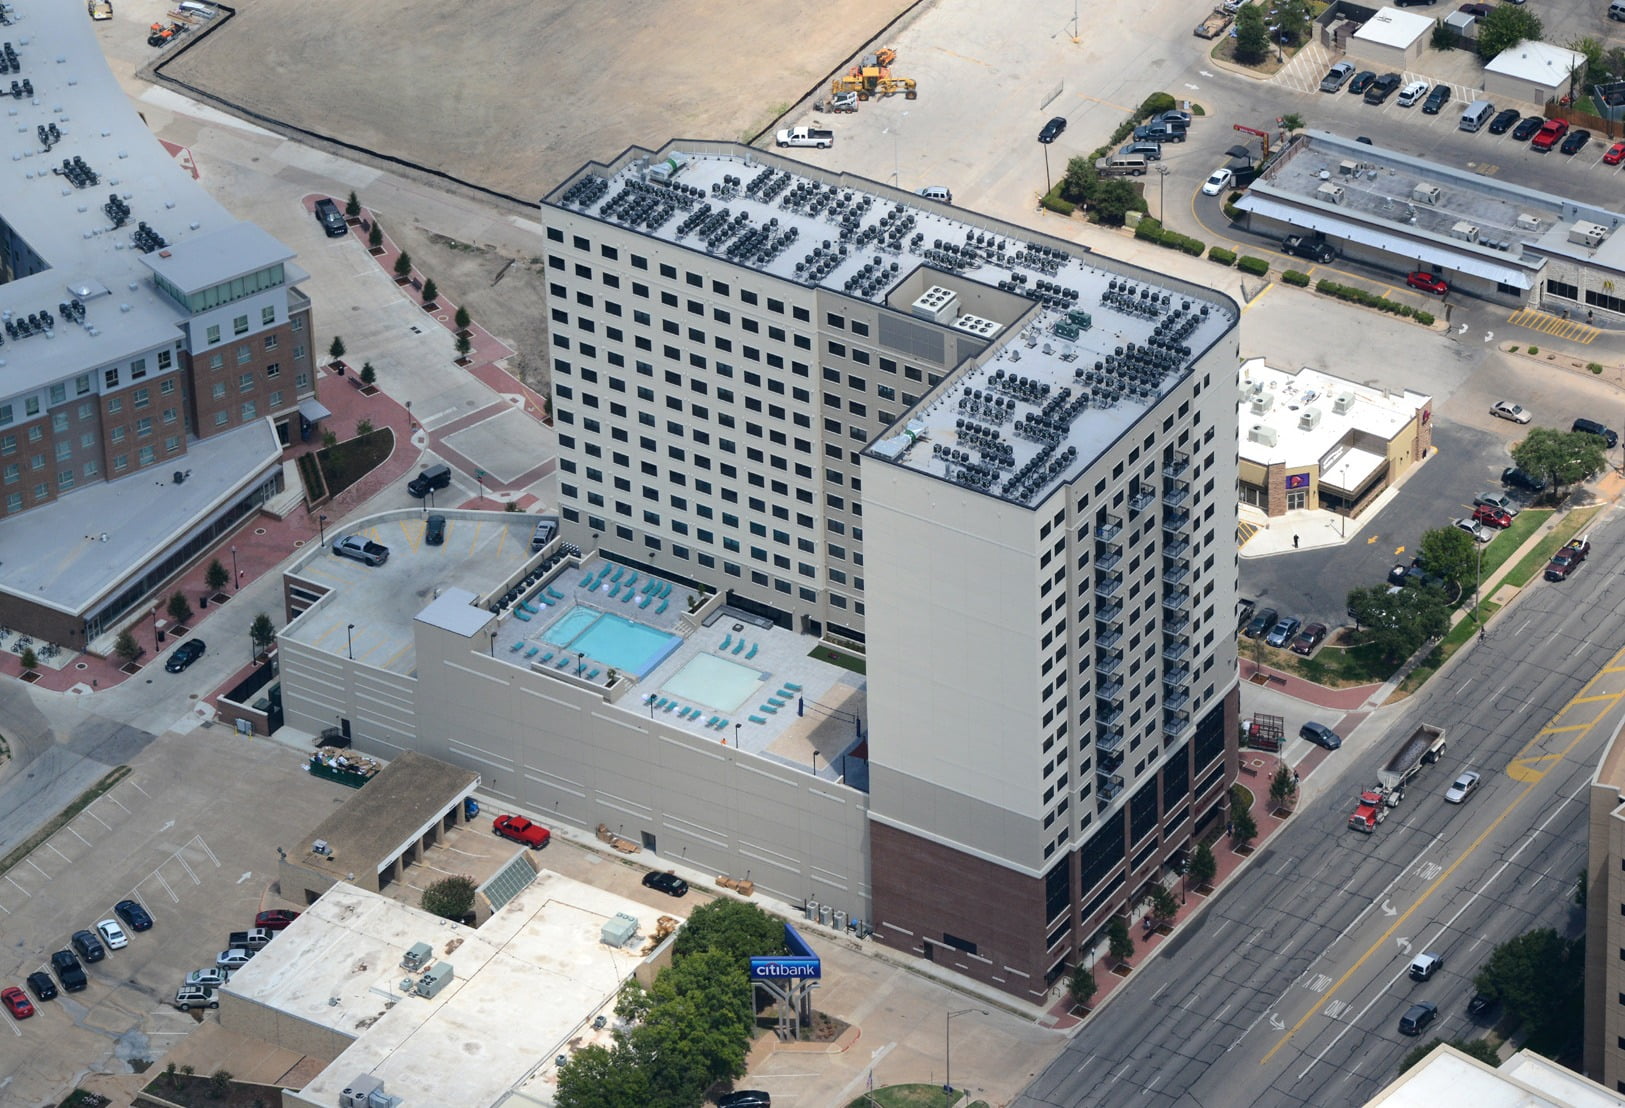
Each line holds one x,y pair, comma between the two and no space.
198,990
1286,633
89,944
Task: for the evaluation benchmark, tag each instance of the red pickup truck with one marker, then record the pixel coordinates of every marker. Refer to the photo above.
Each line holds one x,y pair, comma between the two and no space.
521,830
1547,136
1568,559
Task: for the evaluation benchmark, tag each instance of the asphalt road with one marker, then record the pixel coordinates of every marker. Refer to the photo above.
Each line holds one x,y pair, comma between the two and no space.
1288,990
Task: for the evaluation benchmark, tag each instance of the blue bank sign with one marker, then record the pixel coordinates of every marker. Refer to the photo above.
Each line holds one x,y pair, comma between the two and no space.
801,962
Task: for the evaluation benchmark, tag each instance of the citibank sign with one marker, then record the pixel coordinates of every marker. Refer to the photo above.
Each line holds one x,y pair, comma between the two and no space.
770,968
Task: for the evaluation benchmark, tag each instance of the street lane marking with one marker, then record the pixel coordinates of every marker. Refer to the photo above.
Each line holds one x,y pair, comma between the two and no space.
1383,939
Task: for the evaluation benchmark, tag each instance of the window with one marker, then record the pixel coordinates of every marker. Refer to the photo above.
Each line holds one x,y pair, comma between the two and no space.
270,341
245,382
143,426
110,378
218,391
212,335
148,455
140,398
248,410
244,355
216,361
115,404
239,326
165,388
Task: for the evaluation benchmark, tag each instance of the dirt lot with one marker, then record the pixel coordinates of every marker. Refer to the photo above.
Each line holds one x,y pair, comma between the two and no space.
514,97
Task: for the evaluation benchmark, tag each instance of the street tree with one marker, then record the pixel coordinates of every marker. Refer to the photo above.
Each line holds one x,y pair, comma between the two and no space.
375,237
1450,553
602,1077
335,349
463,345
1119,943
29,659
352,206
1291,122
215,577
1481,1049
1283,785
449,898
1398,623
1504,27
369,375
732,926
1082,985
403,265
1204,867
263,632
1293,20
1252,35
1562,457
431,292
1164,905
179,610
1113,200
1080,181
126,647
1539,978
1246,828
462,318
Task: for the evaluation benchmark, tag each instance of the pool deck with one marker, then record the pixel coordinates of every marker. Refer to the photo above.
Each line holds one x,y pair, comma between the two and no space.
815,721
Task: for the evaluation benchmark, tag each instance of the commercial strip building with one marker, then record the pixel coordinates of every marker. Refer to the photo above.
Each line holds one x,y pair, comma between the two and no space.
902,567
1486,237
155,352
1312,440
1525,1080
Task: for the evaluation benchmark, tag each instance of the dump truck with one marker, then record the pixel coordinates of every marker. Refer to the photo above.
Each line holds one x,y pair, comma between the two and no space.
1371,811
1214,25
806,136
344,766
1424,747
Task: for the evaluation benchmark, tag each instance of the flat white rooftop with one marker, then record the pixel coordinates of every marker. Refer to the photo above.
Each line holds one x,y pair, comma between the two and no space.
1526,1080
1069,348
1392,27
524,985
1310,413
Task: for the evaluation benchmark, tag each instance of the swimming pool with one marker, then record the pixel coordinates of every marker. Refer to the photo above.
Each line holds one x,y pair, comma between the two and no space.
628,646
715,682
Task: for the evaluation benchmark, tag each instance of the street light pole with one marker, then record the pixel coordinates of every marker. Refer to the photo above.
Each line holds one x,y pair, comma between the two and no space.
948,1046
1162,180
349,641
235,582
321,527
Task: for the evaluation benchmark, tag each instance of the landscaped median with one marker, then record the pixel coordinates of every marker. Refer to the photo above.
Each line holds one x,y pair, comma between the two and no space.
1372,300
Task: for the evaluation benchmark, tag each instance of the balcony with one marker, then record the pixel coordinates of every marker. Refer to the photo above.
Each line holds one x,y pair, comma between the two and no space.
1175,570
1177,465
1176,599
1175,493
1108,528
1109,763
1141,500
1108,715
1109,614
1108,662
1110,740
1109,586
1107,556
1176,521
1175,723
1108,638
1177,675
1177,648
1110,787
1175,621
1176,548
1110,692
1174,700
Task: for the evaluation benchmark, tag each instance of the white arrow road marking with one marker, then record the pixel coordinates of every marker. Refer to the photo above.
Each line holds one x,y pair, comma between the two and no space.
1388,908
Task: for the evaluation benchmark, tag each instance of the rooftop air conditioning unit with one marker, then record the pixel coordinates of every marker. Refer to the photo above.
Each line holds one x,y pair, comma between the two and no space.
935,303
976,325
1342,403
436,979
1586,233
1464,231
1527,222
1263,403
1348,167
1424,193
1309,419
1264,436
1329,193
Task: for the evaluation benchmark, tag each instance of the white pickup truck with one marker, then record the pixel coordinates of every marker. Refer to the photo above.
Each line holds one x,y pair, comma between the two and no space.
806,136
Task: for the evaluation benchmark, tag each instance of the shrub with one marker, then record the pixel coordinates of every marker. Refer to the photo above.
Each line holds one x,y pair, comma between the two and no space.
1155,103
1534,350
1256,266
1149,230
449,898
1594,367
1424,318
1221,255
1294,277
1052,200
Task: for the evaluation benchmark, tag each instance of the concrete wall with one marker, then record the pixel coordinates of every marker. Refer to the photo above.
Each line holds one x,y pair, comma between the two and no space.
261,1021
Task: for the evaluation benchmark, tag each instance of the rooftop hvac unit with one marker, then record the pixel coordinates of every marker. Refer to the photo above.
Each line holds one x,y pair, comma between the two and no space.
1348,167
976,325
1329,193
436,979
1263,403
1258,388
935,303
1466,232
1263,436
1527,222
619,930
417,957
367,1091
1342,403
1424,193
1586,233
1309,419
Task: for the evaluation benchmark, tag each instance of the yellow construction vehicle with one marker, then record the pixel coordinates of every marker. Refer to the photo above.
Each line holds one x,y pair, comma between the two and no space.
872,77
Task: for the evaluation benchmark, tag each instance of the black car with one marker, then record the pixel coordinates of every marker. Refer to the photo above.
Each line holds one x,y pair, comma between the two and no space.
1481,1005
1362,80
668,883
1263,620
1503,121
41,985
89,946
1592,427
185,654
1382,88
1575,141
1417,1017
434,530
69,971
1052,130
1526,128
133,915
331,219
1313,247
1519,479
745,1098
1320,735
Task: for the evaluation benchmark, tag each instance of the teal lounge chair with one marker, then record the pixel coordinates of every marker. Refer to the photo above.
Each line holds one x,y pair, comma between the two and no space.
614,591
662,609
721,723
738,646
661,703
726,640
588,582
619,570
514,649
521,615
775,702
545,658
752,652
757,719
792,688
554,593
533,651
632,580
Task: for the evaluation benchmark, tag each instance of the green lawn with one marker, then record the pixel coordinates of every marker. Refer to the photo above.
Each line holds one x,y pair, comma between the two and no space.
1535,561
1528,522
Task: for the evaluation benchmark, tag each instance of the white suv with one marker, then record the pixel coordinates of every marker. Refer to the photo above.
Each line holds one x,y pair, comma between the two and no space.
188,997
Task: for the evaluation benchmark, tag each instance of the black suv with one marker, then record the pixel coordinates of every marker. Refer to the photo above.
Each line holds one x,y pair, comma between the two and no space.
1382,88
1263,620
89,946
1521,479
1526,128
1437,99
69,971
1592,427
1504,121
331,219
1313,247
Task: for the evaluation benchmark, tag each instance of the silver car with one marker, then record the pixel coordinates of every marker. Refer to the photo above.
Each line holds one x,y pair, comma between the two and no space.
1463,787
188,997
208,978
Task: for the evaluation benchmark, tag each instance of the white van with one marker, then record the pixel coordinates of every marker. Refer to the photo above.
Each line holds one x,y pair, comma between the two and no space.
1477,114
1412,92
1616,10
941,192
